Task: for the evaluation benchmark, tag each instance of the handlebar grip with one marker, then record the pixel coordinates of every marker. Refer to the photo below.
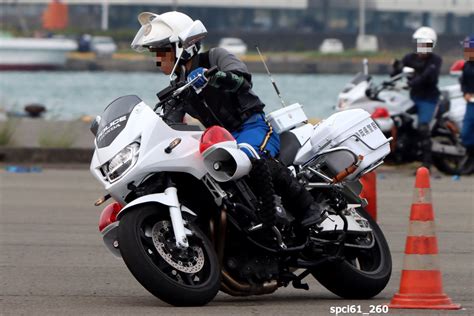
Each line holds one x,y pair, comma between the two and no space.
211,72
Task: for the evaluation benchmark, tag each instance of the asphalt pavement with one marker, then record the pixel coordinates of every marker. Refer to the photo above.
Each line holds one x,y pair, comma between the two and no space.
53,262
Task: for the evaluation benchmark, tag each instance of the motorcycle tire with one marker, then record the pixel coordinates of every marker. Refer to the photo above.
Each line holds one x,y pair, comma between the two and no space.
447,164
158,264
348,281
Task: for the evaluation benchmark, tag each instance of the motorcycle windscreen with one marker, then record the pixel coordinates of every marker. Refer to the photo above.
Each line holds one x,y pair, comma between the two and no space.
114,119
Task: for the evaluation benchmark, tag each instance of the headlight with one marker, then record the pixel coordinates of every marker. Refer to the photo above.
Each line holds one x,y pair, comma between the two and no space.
122,162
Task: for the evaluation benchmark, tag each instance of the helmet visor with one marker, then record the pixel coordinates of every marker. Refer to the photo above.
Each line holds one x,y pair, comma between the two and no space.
136,43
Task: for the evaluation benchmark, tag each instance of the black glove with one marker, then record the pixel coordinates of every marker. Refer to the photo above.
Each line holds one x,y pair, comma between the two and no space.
396,67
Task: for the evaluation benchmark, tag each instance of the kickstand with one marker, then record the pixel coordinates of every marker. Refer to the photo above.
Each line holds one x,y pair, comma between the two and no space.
297,282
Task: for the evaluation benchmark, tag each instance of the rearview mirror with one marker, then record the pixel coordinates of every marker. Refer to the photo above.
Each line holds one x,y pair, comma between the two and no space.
196,32
95,125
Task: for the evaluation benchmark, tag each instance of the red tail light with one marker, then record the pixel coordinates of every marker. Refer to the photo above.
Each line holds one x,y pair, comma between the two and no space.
214,135
109,215
457,67
380,113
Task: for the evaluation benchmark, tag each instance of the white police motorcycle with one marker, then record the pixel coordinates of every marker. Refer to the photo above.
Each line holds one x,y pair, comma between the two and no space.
393,110
186,222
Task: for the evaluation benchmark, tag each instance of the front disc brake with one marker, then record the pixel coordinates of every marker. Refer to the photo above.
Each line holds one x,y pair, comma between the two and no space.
192,262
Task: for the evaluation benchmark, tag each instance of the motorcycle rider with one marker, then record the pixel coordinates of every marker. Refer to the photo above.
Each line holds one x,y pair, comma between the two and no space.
225,99
423,84
467,87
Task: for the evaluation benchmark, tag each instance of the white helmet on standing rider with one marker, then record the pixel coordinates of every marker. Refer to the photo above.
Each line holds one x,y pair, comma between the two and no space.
425,38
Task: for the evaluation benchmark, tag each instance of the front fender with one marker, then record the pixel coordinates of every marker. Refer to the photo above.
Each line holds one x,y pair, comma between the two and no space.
160,198
110,233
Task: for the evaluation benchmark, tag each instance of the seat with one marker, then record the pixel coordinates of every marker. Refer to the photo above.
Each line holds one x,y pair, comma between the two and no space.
289,146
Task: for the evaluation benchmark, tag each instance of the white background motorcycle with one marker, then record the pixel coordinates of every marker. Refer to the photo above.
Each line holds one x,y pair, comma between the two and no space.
186,221
393,96
393,110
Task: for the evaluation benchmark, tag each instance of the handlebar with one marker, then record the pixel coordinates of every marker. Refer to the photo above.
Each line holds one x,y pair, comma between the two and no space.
211,72
208,74
373,93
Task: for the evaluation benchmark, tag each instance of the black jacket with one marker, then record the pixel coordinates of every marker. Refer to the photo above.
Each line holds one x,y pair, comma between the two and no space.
467,78
424,83
226,106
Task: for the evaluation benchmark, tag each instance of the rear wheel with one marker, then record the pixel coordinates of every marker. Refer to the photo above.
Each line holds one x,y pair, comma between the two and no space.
364,273
447,163
180,277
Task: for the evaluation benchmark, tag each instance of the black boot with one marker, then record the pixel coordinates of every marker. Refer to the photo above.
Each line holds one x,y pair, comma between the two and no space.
262,185
312,216
295,197
425,144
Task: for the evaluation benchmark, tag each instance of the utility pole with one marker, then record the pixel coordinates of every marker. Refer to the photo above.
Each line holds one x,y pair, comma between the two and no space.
21,18
105,15
361,17
367,43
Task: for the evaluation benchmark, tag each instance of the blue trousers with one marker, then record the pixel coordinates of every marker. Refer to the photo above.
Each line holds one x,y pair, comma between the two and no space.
425,109
255,132
467,133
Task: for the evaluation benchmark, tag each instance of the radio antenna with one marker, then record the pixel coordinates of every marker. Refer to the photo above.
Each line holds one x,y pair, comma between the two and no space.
270,76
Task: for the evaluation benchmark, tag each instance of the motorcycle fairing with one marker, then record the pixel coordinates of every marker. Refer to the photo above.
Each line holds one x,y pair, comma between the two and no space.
147,128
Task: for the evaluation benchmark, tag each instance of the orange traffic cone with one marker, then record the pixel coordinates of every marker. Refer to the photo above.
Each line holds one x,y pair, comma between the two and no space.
421,284
369,192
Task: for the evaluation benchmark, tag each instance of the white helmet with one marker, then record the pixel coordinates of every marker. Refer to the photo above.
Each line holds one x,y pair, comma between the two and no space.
425,35
160,30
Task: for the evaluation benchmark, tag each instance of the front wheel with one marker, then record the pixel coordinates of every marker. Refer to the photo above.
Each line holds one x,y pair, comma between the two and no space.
180,277
364,273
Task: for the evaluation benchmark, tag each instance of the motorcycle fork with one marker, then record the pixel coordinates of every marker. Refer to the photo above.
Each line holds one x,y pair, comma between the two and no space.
176,218
394,134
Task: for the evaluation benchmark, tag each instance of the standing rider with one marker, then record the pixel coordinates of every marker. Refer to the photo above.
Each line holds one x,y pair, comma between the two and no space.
467,87
224,99
423,84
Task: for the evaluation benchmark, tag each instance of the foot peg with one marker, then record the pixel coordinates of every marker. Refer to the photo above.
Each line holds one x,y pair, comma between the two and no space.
297,281
298,285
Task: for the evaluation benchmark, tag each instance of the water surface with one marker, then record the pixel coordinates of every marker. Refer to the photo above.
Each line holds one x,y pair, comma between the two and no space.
69,95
